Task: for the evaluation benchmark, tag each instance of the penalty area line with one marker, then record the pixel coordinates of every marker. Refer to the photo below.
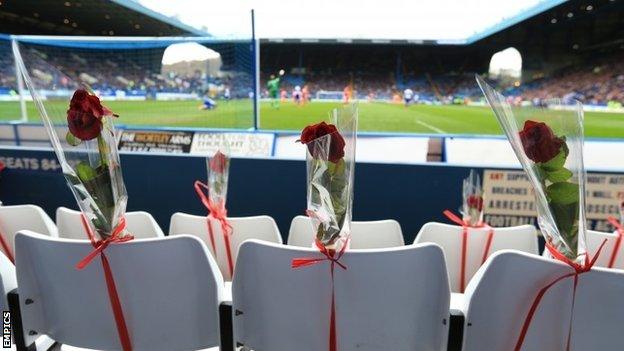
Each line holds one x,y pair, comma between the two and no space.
427,125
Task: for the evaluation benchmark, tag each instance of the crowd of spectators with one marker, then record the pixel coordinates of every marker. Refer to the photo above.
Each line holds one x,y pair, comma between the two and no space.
109,72
382,86
599,83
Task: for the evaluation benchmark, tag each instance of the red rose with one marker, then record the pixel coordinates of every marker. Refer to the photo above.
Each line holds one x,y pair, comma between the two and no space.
475,201
83,125
84,115
337,142
83,101
218,162
539,142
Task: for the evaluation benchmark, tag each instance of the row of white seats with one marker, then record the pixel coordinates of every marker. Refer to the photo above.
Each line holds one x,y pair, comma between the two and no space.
386,299
365,235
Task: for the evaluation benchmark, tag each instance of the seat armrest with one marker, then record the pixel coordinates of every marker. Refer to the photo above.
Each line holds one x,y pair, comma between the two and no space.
456,331
225,325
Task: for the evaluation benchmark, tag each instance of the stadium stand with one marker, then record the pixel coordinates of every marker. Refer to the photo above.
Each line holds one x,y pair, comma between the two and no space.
436,74
568,51
135,72
596,82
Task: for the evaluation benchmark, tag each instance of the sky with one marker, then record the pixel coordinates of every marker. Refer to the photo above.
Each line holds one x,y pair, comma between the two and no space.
348,19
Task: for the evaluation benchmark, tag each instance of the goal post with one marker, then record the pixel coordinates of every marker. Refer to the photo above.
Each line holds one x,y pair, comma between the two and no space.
204,82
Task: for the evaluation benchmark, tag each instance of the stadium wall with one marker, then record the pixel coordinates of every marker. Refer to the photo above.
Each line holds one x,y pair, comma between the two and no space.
408,148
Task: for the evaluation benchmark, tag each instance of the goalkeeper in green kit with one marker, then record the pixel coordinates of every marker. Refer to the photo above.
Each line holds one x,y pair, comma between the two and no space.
273,87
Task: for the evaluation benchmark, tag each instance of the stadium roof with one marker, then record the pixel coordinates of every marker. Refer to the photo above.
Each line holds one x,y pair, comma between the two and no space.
88,17
508,22
454,22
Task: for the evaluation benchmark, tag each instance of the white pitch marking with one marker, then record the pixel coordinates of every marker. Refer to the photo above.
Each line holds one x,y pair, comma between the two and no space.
436,129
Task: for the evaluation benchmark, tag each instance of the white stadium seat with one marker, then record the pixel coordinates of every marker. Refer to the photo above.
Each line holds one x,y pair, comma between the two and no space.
364,235
140,224
244,228
593,241
501,293
170,290
24,217
449,237
387,299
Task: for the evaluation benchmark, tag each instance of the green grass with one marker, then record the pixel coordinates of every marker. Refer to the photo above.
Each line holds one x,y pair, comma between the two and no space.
233,114
374,117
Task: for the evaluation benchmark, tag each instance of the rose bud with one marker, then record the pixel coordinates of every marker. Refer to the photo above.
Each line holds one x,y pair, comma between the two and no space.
313,132
83,125
218,162
539,142
475,201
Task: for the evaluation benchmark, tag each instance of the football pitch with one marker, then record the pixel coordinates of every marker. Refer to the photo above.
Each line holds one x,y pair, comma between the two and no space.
374,116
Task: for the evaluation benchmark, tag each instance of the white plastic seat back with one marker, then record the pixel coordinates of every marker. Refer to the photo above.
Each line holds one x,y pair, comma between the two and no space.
301,233
170,289
593,241
364,235
24,217
501,293
8,281
449,237
140,224
244,228
388,299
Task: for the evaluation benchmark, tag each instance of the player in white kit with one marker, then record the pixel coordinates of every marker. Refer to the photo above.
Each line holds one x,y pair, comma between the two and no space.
408,95
297,95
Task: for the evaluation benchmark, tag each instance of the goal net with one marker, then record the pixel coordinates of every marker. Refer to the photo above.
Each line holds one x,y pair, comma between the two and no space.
201,82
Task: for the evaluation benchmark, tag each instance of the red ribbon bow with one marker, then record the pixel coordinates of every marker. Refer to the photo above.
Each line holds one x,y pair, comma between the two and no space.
578,270
219,213
465,226
330,255
620,232
99,247
6,248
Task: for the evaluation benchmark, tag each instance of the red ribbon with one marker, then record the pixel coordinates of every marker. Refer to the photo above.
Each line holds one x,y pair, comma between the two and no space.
219,213
620,232
330,255
99,247
465,226
578,270
6,248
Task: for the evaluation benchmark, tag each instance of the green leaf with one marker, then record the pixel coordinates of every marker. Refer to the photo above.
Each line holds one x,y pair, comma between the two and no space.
331,167
566,217
340,166
85,172
335,168
71,139
558,176
563,193
558,161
